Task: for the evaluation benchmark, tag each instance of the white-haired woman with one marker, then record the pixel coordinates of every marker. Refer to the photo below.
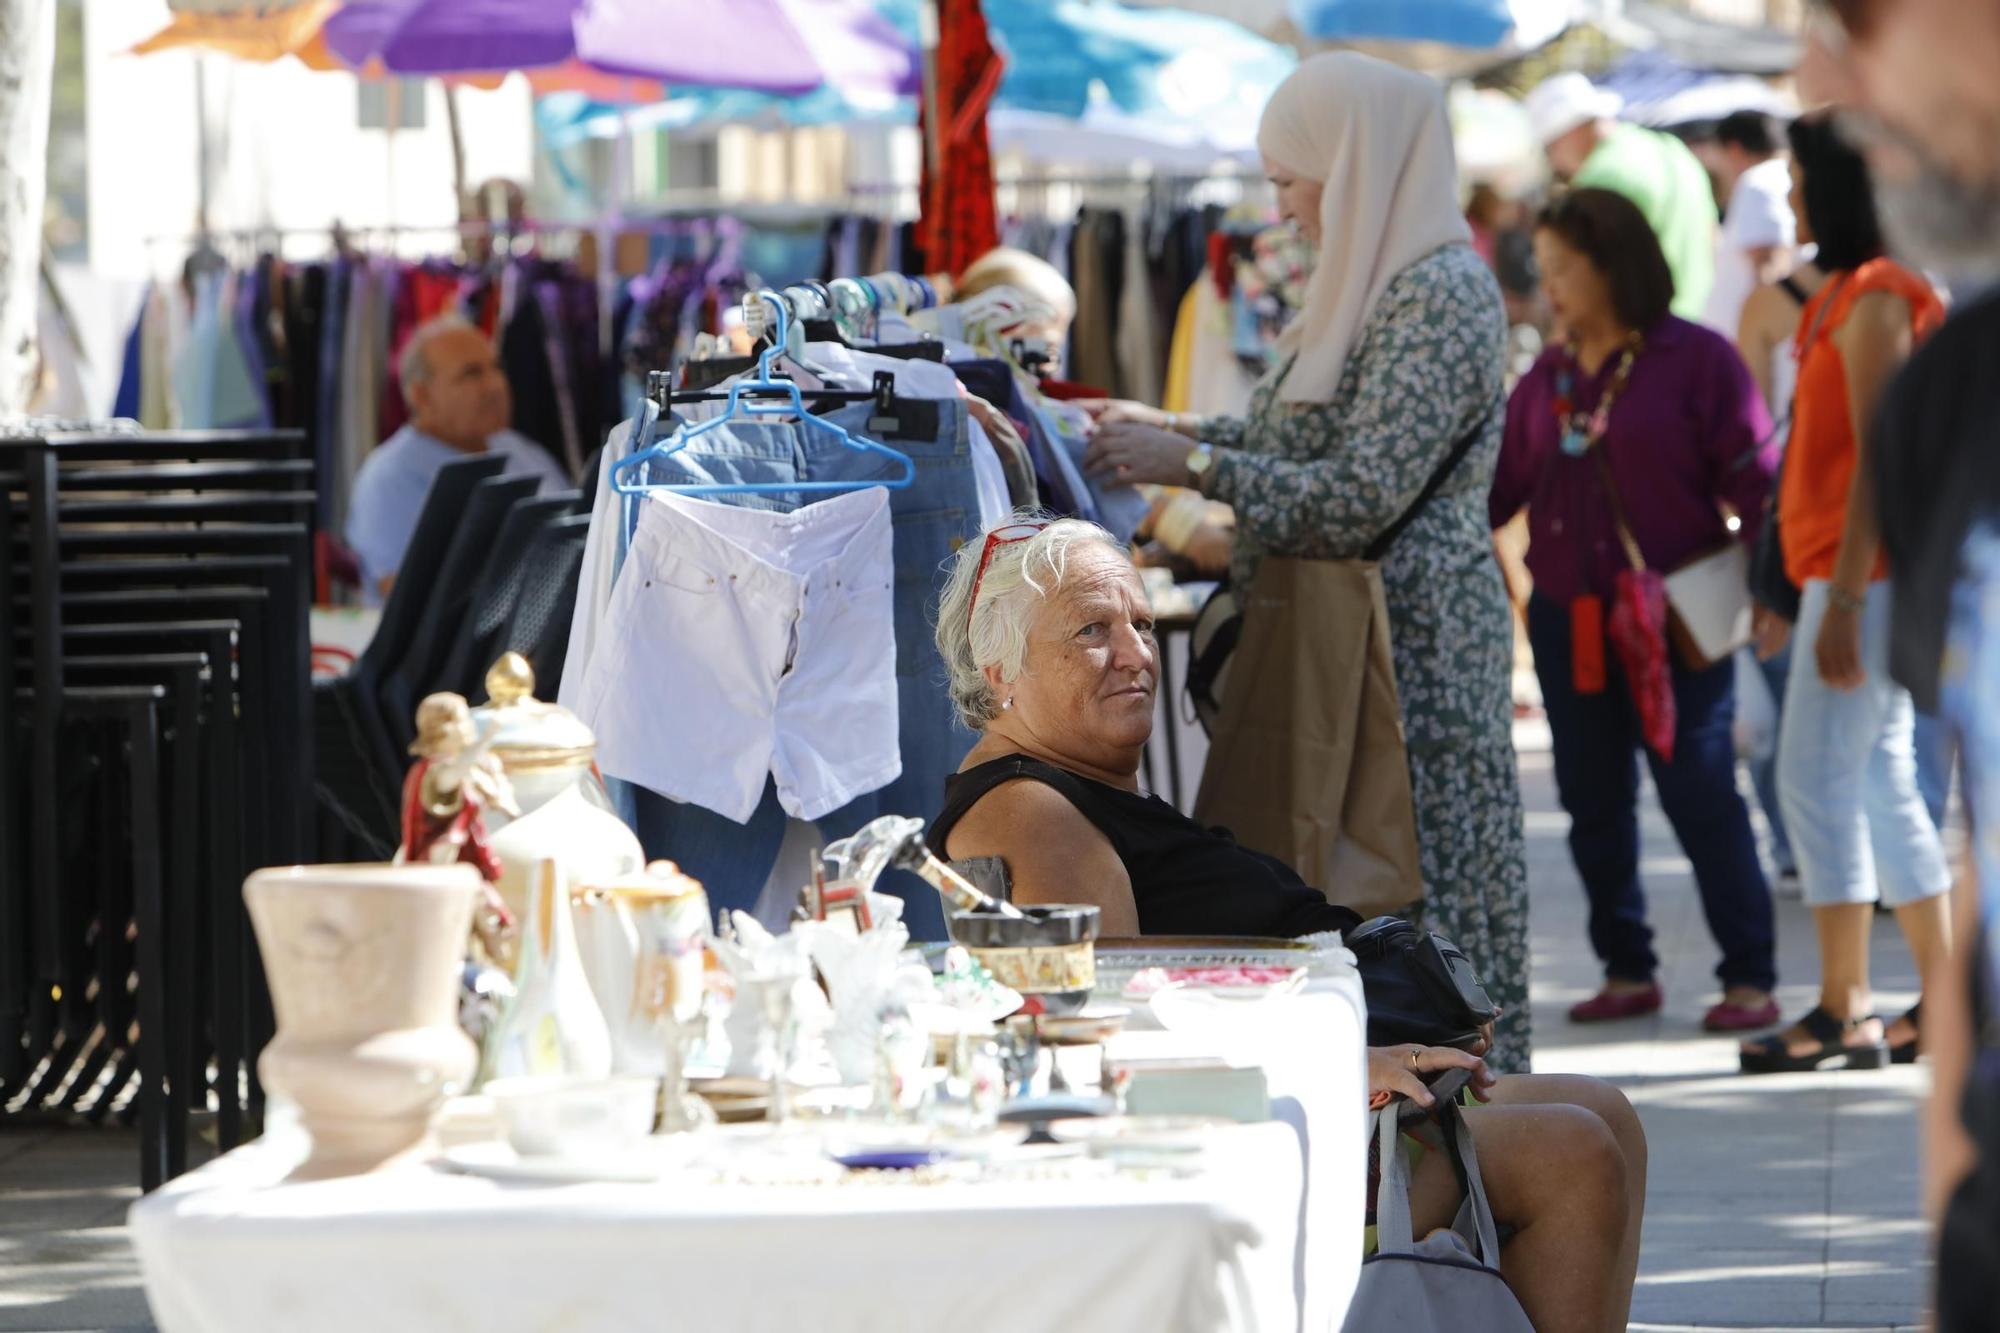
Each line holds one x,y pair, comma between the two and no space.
1048,638
1398,353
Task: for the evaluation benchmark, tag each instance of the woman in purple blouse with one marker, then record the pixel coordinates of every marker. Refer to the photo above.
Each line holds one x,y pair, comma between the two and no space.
1678,421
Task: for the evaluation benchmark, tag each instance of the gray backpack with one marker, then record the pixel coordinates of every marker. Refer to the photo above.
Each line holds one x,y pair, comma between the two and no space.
1450,1281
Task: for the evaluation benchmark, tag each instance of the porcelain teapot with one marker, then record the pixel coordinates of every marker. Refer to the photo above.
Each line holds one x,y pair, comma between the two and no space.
564,816
644,938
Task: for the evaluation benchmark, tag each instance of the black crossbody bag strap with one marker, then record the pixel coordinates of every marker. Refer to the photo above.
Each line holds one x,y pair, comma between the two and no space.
1380,546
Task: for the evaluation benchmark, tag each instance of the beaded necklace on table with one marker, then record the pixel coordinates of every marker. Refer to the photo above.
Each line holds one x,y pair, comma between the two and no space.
1581,431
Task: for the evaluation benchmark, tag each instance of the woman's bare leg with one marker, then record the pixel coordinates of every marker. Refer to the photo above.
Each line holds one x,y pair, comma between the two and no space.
1609,1105
1557,1175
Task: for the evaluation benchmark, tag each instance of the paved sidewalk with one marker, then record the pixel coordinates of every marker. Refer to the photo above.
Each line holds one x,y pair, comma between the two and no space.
1784,1202
1780,1202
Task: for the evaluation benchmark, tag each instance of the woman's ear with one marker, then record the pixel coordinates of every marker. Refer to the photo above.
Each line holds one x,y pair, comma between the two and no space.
995,681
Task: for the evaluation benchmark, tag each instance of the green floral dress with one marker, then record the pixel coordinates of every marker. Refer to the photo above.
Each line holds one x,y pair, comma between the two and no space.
1323,481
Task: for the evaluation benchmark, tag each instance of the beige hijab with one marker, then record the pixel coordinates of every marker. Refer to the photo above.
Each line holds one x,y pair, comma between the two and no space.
1377,136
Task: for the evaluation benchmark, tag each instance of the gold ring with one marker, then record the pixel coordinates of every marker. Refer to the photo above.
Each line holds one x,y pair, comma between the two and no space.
1415,1051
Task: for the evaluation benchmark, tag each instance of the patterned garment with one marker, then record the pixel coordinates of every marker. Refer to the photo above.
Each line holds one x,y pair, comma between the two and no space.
1321,482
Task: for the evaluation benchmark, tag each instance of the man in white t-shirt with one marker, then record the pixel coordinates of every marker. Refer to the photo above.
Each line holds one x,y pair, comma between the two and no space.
1758,242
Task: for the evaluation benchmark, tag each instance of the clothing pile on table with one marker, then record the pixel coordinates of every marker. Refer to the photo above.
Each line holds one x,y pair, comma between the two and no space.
752,641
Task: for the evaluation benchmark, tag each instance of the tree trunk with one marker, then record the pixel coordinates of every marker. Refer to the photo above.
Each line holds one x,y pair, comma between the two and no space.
27,72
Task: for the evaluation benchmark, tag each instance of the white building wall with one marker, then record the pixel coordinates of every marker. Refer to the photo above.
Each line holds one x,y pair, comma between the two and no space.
287,149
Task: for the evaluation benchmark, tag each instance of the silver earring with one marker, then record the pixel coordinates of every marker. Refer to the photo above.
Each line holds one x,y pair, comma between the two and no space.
1006,704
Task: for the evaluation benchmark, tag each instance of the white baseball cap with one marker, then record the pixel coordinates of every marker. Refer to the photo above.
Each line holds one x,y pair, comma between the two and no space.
1562,103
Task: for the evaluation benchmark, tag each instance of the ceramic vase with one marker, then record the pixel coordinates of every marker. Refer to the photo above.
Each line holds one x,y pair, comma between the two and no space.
553,1025
363,963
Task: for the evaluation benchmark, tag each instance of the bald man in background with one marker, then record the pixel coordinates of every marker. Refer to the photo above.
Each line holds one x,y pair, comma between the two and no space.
460,405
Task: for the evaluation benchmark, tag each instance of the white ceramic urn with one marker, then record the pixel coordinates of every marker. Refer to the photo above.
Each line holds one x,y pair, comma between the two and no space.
546,751
363,963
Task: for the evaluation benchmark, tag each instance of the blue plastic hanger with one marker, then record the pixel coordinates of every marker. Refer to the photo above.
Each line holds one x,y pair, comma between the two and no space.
627,477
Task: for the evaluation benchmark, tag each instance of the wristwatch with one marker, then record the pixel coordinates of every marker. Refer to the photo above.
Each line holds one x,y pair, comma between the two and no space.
1199,460
1843,600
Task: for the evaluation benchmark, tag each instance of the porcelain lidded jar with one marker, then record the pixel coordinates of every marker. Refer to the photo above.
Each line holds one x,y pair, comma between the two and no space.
546,752
363,963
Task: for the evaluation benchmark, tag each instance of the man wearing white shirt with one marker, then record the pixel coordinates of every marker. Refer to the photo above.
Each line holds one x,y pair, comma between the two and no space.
1759,238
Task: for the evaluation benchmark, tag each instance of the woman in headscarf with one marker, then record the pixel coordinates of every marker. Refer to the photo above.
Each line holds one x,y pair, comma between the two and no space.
1397,355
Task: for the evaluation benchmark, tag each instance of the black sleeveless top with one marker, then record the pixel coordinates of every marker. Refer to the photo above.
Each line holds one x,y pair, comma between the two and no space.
1186,879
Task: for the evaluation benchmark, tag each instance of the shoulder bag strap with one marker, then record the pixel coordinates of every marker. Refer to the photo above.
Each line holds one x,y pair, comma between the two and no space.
1380,546
1392,1190
1633,556
1484,1230
1819,318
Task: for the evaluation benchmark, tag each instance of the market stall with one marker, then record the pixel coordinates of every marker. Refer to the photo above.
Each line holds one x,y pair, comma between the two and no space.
1256,1228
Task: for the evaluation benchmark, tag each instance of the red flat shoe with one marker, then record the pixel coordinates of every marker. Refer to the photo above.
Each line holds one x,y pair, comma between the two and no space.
1609,1006
1727,1017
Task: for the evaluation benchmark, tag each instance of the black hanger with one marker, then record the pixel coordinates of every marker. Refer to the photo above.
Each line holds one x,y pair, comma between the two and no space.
902,418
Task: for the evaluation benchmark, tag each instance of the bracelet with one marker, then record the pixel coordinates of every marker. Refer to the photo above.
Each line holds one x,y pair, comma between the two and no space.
1174,422
1842,600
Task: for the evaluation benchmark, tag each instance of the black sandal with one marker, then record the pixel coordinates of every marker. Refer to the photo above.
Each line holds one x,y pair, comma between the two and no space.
1770,1056
1905,1053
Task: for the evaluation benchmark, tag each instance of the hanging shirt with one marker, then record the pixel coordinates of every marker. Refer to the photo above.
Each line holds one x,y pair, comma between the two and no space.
389,493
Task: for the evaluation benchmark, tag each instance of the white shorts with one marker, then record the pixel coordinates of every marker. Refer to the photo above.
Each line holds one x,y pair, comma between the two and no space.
740,642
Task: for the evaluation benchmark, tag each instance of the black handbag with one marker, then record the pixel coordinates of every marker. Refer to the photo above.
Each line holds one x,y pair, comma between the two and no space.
1420,986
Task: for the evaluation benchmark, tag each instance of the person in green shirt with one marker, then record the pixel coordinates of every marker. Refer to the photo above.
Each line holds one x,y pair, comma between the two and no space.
1576,123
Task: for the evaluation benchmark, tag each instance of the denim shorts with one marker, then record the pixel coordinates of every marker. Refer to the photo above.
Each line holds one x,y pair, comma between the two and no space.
930,519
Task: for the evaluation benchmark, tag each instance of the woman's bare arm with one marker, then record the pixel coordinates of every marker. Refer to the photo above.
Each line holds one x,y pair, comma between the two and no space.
1053,853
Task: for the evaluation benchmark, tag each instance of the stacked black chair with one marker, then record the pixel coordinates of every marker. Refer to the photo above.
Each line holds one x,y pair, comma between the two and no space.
476,553
157,654
538,627
164,738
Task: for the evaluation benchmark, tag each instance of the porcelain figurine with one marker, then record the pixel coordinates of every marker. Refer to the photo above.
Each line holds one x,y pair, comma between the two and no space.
454,782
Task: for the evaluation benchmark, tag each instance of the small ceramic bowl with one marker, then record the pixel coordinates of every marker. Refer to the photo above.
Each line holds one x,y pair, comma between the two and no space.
1046,953
569,1117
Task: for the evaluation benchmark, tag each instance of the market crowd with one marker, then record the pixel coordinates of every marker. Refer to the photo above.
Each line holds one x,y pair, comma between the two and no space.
1752,458
1749,448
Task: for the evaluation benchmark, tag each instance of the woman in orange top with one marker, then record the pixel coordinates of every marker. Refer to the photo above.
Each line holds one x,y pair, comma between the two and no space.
1847,769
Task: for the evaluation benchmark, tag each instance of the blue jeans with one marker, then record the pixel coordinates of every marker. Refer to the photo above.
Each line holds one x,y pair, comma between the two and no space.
932,517
1847,772
1597,737
1764,770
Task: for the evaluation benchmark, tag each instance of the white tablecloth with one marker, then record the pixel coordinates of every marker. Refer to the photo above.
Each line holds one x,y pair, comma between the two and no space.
1311,1047
230,1247
1267,1238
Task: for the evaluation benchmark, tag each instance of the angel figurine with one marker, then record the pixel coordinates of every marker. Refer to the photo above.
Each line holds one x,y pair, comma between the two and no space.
455,780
